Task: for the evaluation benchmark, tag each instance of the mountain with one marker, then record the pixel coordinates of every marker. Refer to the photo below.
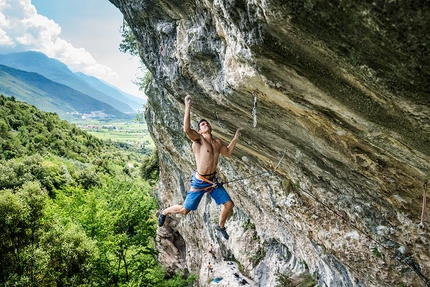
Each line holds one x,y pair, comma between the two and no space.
134,102
58,72
50,96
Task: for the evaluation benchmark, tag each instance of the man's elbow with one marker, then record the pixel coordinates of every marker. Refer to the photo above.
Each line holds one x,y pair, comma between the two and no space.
228,153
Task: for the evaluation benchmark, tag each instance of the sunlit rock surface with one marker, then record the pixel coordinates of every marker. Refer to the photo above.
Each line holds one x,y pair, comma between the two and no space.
330,180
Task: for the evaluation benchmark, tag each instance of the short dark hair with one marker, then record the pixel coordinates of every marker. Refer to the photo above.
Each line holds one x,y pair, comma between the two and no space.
198,125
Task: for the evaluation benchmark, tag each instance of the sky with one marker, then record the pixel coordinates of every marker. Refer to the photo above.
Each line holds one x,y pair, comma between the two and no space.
83,34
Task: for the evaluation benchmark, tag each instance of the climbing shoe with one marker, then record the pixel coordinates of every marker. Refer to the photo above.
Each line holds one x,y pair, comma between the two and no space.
222,230
161,218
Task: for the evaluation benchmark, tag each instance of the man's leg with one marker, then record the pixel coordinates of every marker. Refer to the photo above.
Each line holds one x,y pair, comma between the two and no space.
192,200
175,209
228,207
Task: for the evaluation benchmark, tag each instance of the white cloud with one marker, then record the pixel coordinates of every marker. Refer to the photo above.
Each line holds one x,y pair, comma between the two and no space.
4,39
23,29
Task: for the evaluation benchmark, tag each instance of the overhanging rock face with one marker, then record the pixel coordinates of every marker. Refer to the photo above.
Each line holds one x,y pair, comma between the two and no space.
334,103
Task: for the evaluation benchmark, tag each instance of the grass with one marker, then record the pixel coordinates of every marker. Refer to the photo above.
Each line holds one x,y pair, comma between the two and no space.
130,132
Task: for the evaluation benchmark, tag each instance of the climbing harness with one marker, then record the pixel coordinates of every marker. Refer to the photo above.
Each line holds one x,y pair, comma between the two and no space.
254,110
423,212
219,121
213,184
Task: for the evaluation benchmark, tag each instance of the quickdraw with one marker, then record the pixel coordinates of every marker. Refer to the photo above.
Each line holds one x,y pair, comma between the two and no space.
339,213
254,110
423,212
219,121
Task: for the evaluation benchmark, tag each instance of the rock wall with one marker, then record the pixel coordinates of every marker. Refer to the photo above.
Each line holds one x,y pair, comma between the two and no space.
328,175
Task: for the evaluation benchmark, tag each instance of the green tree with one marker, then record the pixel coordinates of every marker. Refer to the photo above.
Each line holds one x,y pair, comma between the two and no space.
72,217
20,221
150,167
69,255
89,178
119,217
129,44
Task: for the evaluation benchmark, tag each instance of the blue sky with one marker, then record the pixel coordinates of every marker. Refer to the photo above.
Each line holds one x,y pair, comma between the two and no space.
83,34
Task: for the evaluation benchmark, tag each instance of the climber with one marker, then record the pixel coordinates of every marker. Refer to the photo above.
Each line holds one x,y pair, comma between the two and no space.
210,268
211,251
206,150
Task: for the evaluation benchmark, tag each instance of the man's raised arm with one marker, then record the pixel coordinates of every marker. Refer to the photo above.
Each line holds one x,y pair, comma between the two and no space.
228,150
192,134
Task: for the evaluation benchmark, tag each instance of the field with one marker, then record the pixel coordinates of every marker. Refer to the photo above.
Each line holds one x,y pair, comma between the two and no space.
130,132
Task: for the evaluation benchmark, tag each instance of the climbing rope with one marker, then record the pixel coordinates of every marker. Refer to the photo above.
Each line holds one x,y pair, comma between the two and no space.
247,177
257,174
406,260
423,212
276,167
219,121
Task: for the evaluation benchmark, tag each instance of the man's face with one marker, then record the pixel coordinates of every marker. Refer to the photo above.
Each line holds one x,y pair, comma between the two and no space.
204,127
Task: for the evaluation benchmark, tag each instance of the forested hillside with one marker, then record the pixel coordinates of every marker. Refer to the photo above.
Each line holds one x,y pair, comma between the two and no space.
74,210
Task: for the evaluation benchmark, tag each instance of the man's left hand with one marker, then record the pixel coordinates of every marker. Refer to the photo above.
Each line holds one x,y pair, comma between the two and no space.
237,135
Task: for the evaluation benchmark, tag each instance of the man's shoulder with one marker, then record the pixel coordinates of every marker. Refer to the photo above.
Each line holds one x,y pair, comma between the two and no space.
218,141
198,139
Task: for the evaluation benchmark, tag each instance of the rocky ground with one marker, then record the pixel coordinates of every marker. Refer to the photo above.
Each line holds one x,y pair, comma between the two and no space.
226,270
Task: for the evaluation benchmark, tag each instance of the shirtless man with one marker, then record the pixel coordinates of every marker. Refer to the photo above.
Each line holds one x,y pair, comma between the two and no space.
206,150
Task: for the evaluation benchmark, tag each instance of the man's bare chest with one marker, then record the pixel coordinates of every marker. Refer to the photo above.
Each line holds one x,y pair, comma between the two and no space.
208,147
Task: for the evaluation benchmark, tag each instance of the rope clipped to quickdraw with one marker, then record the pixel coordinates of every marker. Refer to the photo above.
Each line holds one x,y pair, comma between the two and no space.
423,212
257,174
219,121
279,162
339,213
254,110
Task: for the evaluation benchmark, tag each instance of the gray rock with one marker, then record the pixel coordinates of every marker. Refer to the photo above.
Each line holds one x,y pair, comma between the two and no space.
342,98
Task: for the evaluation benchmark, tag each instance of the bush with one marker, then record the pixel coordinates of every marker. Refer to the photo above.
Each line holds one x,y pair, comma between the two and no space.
150,167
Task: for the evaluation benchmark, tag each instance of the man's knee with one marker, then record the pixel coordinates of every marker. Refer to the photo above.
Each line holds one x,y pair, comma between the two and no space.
184,210
229,204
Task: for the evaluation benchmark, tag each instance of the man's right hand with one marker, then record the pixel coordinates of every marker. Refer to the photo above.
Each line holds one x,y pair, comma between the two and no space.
188,100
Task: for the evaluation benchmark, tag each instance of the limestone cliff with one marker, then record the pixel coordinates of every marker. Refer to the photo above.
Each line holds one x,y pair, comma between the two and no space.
338,141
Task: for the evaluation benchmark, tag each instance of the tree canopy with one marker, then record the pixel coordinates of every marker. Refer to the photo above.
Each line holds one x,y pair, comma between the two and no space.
74,210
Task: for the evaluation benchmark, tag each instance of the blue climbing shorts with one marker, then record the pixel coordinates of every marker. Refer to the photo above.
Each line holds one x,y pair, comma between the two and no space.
219,194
